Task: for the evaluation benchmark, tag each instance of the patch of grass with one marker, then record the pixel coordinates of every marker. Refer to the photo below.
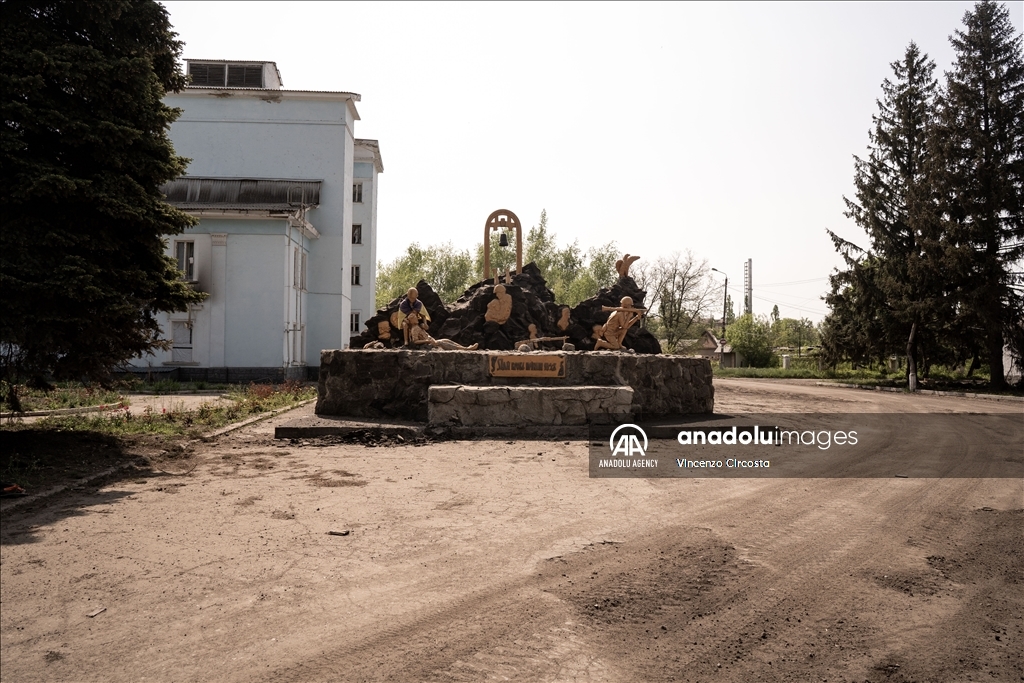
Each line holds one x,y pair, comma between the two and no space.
939,378
168,386
62,395
253,400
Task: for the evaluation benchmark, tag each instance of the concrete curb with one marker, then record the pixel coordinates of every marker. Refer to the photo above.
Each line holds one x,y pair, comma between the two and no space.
62,411
42,495
197,392
252,420
924,392
318,427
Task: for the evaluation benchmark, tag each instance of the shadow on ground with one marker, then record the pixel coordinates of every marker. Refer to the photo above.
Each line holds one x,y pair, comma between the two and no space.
41,459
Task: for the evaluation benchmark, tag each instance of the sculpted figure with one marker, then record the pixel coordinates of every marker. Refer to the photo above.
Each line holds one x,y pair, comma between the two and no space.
623,264
411,304
383,330
419,336
622,318
563,322
533,331
500,308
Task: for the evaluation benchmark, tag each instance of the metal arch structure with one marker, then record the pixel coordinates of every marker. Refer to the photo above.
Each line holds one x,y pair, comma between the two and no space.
502,219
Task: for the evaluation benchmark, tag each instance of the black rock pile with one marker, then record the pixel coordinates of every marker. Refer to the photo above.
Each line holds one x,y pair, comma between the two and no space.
532,304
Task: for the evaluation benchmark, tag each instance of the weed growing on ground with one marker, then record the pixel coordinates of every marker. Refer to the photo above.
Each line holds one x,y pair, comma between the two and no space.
253,400
61,395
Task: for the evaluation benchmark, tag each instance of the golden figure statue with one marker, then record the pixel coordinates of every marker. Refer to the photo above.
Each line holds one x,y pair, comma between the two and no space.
419,336
411,304
500,308
623,264
563,322
614,330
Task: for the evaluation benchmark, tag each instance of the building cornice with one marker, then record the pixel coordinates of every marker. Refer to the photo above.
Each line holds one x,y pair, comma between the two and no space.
374,147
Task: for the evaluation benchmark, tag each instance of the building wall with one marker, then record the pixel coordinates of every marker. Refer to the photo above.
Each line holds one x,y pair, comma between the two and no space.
253,321
248,321
365,255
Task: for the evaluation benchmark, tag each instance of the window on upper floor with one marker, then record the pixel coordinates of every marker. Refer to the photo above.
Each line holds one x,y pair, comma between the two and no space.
353,322
357,234
355,275
230,75
185,253
357,193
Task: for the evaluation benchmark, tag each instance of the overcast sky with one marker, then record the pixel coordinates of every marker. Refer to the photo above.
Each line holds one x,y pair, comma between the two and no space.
727,129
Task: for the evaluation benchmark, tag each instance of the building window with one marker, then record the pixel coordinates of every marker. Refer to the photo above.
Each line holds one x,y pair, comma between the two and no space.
355,275
357,193
230,75
353,322
357,234
299,270
185,252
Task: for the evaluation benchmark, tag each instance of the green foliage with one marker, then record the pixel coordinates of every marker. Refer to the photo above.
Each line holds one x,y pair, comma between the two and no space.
680,296
793,333
63,395
976,173
252,400
889,291
751,337
940,198
448,270
571,274
84,150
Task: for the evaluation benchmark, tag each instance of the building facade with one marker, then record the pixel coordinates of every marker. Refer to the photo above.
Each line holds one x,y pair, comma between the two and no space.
286,200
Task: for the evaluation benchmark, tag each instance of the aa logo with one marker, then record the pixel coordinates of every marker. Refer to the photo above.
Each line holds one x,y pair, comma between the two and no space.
627,442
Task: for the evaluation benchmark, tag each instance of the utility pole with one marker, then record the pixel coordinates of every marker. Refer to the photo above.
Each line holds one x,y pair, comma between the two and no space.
748,287
725,303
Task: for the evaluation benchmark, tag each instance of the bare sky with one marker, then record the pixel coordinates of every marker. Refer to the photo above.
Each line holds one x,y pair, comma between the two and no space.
727,129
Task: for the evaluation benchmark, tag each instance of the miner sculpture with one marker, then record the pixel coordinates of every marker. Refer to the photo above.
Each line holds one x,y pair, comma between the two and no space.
613,332
419,336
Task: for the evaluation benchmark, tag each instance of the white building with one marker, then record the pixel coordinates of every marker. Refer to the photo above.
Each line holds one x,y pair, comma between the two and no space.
286,244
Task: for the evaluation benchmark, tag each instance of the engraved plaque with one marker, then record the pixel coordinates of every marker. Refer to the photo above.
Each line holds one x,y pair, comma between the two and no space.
526,365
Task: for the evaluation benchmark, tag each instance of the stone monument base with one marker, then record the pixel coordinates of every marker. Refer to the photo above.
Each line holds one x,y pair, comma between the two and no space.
396,383
522,406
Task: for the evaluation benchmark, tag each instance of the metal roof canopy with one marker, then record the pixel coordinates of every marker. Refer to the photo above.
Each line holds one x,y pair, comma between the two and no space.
242,193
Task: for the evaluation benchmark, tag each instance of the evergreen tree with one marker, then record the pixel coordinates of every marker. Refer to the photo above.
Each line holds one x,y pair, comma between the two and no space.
977,169
84,150
895,277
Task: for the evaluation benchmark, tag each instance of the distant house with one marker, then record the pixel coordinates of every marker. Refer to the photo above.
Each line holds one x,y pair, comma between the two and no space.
286,197
710,346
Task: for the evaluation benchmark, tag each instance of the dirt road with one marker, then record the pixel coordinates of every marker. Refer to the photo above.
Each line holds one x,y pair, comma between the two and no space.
494,560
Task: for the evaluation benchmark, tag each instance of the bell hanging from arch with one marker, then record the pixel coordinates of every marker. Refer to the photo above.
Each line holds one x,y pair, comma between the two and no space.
503,239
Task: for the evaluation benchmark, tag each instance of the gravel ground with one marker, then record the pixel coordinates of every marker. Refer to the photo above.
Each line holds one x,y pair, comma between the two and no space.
502,560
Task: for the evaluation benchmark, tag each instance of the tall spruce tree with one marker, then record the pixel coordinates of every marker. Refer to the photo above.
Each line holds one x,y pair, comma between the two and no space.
894,278
84,148
977,168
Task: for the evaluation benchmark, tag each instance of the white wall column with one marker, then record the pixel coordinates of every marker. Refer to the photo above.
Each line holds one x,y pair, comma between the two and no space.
218,298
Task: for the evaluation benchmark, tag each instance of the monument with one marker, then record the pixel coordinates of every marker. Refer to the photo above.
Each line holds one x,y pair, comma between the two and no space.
512,357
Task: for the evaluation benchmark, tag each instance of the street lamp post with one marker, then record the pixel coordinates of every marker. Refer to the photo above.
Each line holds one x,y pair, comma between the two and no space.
725,302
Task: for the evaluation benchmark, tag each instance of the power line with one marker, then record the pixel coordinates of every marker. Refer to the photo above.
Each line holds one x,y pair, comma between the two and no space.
794,282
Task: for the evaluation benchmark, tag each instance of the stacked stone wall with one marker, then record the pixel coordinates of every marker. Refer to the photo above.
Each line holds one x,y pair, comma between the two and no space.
395,383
